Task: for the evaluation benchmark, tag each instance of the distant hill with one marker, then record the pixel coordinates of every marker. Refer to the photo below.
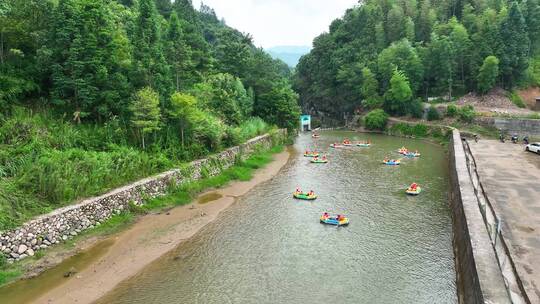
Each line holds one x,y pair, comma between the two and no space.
289,54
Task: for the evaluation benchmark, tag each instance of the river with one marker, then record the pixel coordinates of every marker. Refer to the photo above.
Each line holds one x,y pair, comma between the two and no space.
269,248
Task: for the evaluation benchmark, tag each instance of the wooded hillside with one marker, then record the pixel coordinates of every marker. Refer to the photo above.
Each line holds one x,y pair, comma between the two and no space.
389,53
97,93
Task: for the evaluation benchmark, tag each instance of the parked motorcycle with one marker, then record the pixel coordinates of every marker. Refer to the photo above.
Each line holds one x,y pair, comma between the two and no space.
514,139
501,138
526,140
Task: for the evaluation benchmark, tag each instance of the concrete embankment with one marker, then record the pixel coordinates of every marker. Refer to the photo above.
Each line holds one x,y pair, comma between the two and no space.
520,126
480,279
65,223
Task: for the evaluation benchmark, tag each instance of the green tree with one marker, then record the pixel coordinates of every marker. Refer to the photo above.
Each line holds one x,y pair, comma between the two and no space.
370,90
398,97
279,106
87,78
425,21
395,24
376,120
145,112
193,31
409,32
184,110
488,74
514,60
441,64
403,56
150,66
459,38
178,52
226,97
531,12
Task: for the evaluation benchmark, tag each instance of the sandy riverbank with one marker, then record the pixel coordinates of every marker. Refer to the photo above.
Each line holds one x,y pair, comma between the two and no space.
150,238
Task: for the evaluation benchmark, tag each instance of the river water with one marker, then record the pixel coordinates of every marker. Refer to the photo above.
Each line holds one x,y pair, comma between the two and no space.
269,248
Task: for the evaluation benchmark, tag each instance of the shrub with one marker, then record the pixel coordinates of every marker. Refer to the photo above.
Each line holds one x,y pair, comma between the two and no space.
416,109
517,100
467,114
376,120
373,103
433,114
451,110
418,130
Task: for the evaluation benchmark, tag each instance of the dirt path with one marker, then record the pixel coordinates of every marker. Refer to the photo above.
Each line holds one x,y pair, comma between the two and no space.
150,238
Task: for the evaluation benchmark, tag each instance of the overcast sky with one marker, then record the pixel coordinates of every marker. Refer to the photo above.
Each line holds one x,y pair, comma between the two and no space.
279,22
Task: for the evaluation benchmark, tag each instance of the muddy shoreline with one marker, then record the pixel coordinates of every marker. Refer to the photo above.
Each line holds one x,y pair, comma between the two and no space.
148,239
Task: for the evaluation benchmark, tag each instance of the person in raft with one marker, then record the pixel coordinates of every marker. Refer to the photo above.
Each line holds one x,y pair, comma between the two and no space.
311,193
386,160
339,217
326,215
324,158
414,186
298,190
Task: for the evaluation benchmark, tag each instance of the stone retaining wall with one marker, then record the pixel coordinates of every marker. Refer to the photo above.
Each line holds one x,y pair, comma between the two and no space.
521,127
67,222
479,277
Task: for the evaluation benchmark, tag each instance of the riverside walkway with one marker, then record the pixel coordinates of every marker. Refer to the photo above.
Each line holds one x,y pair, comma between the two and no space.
511,179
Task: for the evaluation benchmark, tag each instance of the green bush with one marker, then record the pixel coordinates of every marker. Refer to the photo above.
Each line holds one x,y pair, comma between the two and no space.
467,114
376,120
517,100
373,103
451,110
403,129
417,109
433,114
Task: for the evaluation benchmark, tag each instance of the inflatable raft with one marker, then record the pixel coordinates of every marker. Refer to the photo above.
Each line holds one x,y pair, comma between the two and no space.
412,154
319,161
336,146
413,192
392,163
311,154
304,196
363,145
333,221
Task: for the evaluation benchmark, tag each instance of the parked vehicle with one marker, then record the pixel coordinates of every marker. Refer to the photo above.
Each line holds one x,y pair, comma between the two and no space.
515,139
534,147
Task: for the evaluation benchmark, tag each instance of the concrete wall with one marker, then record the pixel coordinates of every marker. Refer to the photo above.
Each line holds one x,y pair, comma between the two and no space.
69,221
521,127
479,277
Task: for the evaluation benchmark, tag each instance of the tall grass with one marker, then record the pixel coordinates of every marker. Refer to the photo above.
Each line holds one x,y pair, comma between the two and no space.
47,162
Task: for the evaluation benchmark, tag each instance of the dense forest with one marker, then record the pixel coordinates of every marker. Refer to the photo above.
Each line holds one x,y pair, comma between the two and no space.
96,93
393,54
